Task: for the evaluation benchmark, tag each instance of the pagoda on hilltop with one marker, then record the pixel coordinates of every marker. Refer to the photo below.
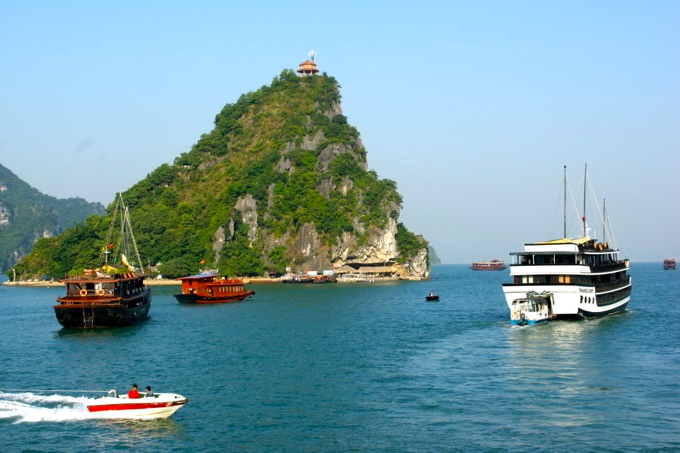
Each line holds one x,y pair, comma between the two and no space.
308,67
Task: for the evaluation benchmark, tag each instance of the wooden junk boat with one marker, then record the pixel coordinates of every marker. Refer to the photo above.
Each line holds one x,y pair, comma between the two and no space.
206,288
109,296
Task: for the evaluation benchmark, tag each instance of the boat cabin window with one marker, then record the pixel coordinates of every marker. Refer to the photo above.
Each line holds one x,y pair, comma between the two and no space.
544,259
565,259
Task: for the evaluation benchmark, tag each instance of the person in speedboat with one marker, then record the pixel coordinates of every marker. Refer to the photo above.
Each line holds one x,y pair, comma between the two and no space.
133,393
148,393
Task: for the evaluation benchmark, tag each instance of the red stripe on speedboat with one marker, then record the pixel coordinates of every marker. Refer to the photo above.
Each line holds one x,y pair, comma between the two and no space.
133,406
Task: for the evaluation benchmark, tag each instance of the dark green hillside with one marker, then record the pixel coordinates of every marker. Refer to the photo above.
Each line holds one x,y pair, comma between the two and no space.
26,215
282,169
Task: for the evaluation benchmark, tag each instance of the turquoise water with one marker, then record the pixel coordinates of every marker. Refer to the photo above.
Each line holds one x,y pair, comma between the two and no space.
352,367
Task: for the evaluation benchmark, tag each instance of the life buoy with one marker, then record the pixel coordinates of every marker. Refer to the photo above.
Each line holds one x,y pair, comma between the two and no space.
83,292
100,292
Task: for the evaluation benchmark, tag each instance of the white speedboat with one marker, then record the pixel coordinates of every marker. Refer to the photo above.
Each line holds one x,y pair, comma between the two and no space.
158,405
532,309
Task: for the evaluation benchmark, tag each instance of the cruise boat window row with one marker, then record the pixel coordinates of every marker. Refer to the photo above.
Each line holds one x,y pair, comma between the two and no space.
543,259
614,296
587,300
611,280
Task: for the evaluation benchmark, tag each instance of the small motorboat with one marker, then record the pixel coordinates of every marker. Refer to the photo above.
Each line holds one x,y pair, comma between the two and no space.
532,309
432,297
158,405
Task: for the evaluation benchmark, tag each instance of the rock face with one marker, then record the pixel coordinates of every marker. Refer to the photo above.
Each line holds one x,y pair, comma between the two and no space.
27,215
281,182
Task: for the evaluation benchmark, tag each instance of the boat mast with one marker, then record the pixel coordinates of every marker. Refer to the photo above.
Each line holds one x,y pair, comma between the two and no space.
585,182
133,242
604,220
564,204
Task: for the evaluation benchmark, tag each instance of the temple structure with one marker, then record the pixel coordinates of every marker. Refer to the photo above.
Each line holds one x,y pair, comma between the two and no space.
308,67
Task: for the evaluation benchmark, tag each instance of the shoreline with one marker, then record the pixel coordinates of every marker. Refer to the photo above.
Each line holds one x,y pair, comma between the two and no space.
167,282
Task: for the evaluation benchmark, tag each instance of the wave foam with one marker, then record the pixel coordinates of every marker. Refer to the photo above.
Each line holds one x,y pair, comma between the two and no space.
32,407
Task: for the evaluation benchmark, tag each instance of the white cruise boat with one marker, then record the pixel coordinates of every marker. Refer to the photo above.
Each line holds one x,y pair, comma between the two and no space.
586,278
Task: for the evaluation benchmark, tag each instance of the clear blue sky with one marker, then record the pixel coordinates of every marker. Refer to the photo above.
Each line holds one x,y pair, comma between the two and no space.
473,108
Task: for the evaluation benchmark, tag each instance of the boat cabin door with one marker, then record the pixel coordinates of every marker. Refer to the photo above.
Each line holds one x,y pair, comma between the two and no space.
551,301
88,317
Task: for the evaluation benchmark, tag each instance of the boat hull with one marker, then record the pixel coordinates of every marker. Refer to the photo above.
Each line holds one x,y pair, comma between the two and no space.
205,300
102,313
574,301
162,405
488,266
529,322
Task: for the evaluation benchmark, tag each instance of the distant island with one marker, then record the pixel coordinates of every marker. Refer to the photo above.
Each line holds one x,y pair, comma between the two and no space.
27,215
279,185
434,259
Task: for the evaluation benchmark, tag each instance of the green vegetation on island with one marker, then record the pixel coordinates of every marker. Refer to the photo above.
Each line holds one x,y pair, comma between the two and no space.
279,160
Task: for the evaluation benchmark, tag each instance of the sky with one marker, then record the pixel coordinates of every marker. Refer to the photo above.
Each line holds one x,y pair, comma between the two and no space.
472,108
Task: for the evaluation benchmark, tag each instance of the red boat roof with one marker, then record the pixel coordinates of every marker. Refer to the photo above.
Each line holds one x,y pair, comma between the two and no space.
201,276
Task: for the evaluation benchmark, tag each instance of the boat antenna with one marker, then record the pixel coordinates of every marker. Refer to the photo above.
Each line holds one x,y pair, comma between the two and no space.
564,204
585,181
604,220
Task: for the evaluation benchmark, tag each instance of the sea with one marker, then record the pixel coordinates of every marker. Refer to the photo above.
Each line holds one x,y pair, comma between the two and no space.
351,367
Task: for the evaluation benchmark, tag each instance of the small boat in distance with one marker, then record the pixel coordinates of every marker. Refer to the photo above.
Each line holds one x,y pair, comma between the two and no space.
669,264
297,278
208,288
532,309
493,265
114,294
344,278
158,405
432,297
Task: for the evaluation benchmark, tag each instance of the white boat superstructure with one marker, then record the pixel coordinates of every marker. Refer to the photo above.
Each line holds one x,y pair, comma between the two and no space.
586,278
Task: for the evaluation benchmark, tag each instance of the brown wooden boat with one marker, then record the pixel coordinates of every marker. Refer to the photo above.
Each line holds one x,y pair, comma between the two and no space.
102,300
206,288
114,294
